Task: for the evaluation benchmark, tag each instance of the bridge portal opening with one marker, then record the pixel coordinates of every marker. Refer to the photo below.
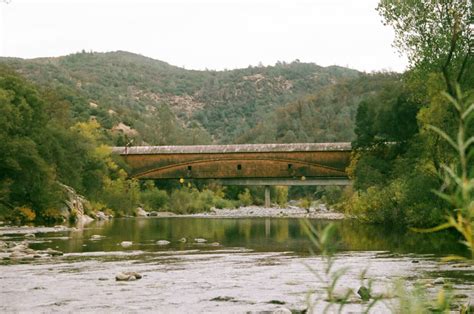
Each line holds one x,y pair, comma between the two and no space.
239,167
290,166
190,168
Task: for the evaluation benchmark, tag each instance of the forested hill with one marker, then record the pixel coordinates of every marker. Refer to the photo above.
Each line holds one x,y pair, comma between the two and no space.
156,103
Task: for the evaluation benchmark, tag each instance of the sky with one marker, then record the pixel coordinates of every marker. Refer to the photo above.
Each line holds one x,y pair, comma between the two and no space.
197,34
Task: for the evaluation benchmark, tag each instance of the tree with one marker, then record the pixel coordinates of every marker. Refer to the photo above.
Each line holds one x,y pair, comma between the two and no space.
435,34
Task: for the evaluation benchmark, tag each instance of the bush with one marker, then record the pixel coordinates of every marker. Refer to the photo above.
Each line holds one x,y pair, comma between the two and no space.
304,203
154,199
245,198
52,215
223,203
281,195
22,215
121,195
380,204
332,195
190,201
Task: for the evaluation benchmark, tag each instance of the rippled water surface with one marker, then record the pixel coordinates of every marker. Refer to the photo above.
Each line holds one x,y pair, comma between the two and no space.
249,264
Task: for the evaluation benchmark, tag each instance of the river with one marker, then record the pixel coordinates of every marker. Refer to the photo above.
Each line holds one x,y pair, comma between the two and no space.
245,265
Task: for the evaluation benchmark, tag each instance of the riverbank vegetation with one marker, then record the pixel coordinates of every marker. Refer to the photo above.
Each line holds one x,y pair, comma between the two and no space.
398,160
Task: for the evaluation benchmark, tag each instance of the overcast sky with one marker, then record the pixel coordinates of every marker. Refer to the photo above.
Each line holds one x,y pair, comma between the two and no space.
199,34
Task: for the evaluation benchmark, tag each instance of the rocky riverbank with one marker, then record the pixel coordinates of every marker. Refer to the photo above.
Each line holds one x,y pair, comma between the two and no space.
319,212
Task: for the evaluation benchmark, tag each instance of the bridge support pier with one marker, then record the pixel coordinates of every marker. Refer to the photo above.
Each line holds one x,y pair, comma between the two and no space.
267,196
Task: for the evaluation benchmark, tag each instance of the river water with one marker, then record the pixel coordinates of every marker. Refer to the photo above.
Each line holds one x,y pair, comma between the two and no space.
245,265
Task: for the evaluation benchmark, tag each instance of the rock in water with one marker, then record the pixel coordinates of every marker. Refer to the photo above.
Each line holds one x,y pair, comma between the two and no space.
141,212
100,215
96,237
128,276
364,293
282,310
183,240
439,281
200,240
126,244
84,219
341,294
52,252
30,235
162,242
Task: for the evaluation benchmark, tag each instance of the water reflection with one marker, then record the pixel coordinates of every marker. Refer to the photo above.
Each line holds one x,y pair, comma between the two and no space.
259,234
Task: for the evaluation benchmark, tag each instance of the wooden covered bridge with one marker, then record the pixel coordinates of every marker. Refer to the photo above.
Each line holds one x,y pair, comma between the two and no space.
248,164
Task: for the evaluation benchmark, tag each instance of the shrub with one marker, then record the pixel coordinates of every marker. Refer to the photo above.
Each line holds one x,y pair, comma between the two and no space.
223,203
281,195
22,215
304,203
245,198
154,199
122,195
52,215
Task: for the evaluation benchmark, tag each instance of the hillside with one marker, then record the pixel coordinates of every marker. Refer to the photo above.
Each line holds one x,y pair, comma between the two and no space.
153,102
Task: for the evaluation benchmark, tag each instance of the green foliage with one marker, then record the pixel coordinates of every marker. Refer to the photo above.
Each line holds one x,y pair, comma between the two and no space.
25,176
245,198
21,215
281,195
332,195
434,34
121,194
190,201
305,203
52,215
325,116
154,199
459,177
397,158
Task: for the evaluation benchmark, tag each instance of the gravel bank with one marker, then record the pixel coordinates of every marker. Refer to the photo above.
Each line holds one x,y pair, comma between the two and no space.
320,212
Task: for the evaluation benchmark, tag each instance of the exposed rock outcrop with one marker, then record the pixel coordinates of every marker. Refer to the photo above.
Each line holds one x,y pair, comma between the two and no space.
75,206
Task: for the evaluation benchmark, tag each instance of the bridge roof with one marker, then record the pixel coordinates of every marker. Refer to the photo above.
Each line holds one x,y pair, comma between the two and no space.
243,148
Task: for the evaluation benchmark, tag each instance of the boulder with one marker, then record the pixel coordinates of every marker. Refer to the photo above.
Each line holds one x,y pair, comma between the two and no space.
96,237
30,235
100,215
127,276
153,214
162,242
75,205
341,294
200,240
439,281
52,252
141,212
84,219
19,248
21,255
126,244
182,240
